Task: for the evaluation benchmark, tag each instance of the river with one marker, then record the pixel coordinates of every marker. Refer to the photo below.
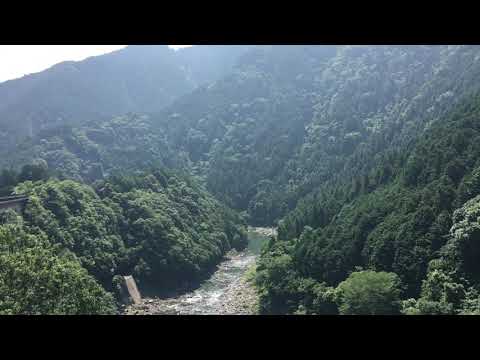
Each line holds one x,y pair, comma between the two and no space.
229,291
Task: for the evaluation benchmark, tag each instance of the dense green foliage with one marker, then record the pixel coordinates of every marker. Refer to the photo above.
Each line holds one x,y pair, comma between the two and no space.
283,122
98,148
369,293
403,225
290,118
135,79
160,227
37,278
366,157
35,171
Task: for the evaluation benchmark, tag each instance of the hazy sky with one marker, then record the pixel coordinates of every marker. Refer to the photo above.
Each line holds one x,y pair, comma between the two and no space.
19,60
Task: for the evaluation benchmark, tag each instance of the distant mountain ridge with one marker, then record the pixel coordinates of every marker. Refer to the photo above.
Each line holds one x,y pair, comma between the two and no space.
139,78
366,158
274,127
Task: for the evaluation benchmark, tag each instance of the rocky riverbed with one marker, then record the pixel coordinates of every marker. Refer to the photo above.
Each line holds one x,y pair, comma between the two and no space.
229,291
265,231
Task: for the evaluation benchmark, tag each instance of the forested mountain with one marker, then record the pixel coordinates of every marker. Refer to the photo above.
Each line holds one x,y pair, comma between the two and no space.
138,78
285,120
417,220
74,241
291,118
366,157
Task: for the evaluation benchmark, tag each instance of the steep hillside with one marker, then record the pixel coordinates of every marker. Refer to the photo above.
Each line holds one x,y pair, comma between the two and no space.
135,79
366,157
290,118
285,120
404,221
65,254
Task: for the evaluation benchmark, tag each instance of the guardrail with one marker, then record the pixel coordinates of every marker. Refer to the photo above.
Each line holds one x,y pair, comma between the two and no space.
13,201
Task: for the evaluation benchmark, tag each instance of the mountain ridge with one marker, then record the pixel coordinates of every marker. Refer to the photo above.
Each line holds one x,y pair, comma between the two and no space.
136,78
366,158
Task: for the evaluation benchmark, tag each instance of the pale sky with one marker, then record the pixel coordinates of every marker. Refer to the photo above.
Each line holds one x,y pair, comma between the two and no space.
19,60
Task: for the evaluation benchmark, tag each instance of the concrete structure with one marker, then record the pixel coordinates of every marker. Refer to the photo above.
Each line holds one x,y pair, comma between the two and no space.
130,293
16,202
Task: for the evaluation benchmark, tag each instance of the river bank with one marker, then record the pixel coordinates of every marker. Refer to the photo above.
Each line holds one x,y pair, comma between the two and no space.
229,291
241,299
